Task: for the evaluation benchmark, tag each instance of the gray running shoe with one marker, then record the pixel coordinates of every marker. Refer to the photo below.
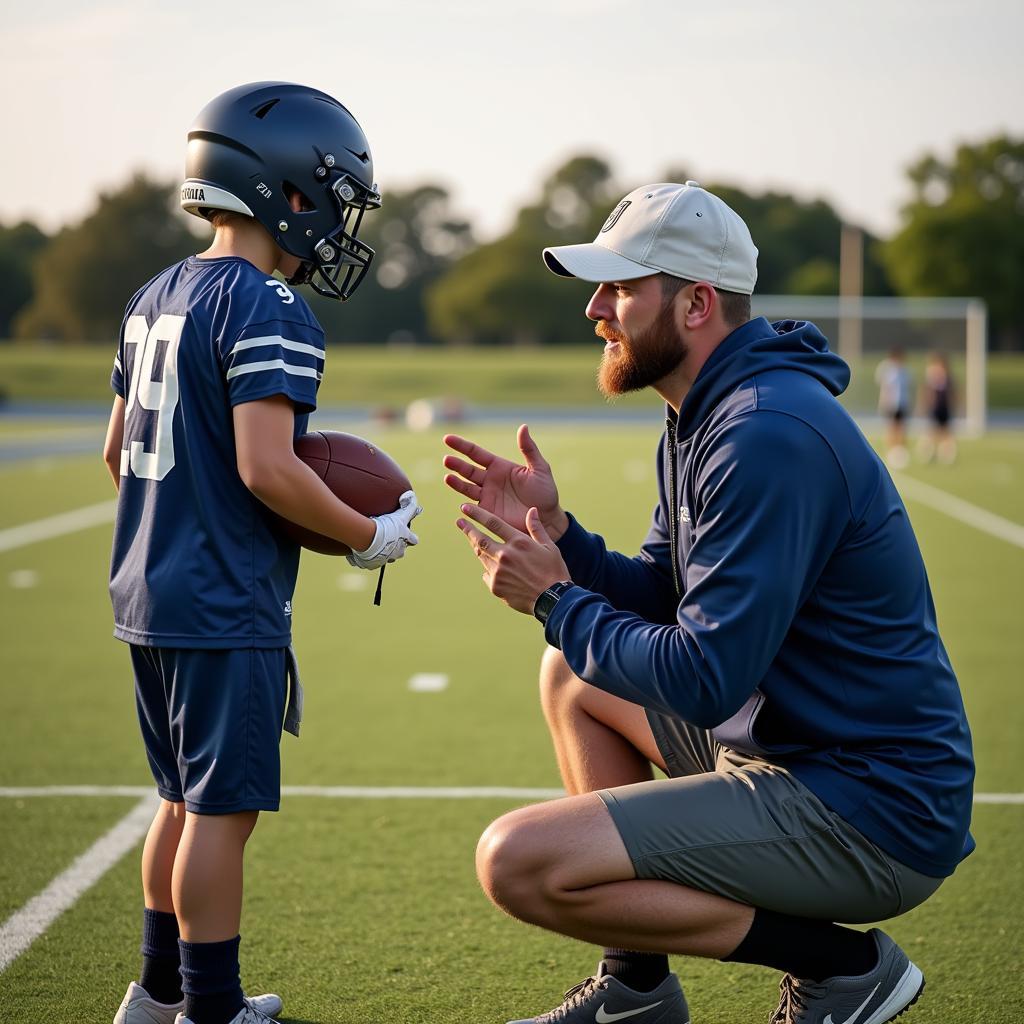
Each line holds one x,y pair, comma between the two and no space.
603,999
881,995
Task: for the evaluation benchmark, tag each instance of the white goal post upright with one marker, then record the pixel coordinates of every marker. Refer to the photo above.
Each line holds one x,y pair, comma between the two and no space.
954,327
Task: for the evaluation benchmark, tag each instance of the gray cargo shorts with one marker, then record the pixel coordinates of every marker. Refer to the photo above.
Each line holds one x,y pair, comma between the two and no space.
737,826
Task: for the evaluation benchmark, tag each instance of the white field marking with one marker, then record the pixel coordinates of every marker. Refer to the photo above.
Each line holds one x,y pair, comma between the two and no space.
23,579
57,526
353,581
379,792
957,508
24,926
428,682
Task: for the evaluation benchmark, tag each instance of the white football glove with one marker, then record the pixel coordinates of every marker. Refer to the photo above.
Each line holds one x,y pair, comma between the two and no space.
393,535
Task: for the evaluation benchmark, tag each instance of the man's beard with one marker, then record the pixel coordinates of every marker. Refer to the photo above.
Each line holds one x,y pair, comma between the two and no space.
641,361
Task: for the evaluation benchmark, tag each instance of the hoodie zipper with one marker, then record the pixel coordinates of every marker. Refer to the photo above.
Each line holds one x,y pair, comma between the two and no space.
673,526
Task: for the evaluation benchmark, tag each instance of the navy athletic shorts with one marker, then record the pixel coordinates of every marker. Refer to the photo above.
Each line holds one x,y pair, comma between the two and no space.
211,721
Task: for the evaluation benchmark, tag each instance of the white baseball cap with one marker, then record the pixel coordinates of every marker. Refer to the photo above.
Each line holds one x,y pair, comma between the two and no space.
681,230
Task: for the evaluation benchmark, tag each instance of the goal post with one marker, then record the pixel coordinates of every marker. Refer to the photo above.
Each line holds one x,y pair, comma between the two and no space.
865,329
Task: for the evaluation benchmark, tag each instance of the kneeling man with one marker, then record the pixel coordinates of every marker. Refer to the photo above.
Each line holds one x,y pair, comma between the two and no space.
772,648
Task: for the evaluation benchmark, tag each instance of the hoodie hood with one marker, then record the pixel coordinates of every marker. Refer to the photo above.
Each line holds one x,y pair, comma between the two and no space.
756,347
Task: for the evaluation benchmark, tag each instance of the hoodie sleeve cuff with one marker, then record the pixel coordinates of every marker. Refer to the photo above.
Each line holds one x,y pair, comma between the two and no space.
577,547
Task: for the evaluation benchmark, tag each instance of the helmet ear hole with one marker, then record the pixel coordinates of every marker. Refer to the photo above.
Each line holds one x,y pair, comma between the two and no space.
297,199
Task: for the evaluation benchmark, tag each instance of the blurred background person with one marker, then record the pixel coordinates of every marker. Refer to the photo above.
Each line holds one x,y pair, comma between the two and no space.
895,387
937,404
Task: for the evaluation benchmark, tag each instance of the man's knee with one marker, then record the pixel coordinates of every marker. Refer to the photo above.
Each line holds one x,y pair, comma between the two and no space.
559,685
513,863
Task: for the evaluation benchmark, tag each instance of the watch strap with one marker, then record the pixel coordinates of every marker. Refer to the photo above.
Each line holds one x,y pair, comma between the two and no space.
545,604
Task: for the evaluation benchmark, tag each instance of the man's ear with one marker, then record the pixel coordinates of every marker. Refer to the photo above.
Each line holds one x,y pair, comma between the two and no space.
702,306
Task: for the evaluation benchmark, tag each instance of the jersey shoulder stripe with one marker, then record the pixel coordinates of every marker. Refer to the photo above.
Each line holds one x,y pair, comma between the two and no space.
277,341
274,364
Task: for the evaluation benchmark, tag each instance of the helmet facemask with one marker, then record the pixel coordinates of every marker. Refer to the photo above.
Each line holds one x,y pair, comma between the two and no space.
341,250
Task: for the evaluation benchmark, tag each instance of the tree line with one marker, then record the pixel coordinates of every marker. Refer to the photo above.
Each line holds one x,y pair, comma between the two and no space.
433,282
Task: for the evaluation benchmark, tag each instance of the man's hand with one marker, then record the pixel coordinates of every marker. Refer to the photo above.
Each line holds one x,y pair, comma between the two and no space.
505,488
524,566
393,535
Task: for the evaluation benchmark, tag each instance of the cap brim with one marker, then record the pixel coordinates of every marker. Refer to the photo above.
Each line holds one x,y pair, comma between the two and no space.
592,262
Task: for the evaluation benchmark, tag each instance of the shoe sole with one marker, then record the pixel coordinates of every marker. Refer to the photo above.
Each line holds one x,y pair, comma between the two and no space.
912,981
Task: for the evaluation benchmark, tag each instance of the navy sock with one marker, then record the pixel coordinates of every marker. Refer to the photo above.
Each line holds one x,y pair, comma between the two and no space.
209,979
808,949
160,958
642,972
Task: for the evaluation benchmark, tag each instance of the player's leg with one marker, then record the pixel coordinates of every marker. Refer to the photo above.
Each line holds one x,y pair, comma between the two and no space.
161,961
157,997
228,706
207,881
158,855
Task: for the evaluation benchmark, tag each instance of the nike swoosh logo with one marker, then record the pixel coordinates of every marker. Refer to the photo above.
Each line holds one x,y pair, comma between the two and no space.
856,1013
605,1018
364,156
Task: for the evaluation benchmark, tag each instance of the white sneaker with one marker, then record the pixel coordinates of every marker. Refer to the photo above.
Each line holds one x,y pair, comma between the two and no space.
248,1014
138,1008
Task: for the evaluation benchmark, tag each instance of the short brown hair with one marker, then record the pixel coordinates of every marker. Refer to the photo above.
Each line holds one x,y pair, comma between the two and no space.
219,218
735,305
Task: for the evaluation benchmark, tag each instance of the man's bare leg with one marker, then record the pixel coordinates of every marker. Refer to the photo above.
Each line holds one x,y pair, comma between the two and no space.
563,866
600,741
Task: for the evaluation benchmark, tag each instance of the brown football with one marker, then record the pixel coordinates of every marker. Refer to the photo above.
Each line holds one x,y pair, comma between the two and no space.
357,471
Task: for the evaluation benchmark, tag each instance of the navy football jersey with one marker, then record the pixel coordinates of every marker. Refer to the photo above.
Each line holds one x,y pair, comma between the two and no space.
196,562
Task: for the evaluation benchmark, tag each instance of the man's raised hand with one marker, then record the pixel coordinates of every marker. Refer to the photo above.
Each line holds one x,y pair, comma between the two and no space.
504,487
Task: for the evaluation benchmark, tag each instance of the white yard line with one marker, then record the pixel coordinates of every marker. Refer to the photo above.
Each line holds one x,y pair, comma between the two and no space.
333,792
381,792
964,511
428,682
57,526
24,926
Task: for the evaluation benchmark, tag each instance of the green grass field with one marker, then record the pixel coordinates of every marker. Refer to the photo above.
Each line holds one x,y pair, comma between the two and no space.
368,909
488,377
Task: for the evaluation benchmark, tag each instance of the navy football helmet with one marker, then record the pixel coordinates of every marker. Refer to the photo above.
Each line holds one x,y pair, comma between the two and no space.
256,145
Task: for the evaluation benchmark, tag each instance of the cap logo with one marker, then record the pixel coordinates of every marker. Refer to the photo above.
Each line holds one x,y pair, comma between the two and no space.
615,215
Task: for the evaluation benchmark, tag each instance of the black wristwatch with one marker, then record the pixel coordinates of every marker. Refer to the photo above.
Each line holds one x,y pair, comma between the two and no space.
545,604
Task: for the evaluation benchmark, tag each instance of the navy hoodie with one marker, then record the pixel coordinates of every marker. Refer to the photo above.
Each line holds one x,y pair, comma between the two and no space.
780,599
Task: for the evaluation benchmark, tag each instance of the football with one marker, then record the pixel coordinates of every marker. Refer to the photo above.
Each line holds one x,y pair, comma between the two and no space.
355,470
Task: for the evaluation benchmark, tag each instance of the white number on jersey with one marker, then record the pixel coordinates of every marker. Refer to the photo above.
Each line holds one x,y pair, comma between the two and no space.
159,396
282,289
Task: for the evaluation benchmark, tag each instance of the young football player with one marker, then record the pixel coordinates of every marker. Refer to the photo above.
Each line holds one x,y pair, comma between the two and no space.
216,374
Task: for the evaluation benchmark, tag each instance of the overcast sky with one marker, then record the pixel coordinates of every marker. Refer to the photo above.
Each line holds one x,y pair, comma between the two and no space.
817,98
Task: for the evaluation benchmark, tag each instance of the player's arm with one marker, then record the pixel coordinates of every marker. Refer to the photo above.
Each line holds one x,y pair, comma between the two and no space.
269,467
114,441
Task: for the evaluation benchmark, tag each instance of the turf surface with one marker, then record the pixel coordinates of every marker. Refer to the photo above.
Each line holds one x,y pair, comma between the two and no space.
366,910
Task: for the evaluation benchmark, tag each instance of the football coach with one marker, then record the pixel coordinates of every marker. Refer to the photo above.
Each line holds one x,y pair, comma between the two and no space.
772,648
